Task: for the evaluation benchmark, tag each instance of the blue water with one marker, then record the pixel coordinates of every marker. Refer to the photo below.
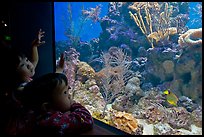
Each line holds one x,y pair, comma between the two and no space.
195,19
90,29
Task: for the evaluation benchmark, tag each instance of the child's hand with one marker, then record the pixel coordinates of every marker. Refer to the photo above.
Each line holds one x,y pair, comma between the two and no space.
61,61
60,66
38,42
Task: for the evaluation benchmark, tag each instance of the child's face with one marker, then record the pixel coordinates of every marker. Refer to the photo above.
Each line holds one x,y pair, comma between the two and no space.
61,97
25,69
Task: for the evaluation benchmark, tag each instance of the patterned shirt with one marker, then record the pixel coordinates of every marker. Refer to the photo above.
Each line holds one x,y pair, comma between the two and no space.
77,121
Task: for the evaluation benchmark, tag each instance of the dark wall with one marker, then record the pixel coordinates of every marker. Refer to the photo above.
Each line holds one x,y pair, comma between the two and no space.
26,18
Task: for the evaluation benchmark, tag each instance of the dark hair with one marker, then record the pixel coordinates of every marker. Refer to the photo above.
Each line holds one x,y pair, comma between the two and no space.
14,65
9,58
39,90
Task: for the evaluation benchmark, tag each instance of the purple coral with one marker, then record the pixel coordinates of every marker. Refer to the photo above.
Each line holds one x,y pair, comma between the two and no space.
71,62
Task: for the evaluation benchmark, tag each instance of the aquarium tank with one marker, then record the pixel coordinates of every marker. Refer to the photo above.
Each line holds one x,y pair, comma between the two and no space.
136,66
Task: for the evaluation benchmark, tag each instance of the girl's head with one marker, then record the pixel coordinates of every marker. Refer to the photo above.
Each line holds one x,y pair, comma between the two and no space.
24,68
51,89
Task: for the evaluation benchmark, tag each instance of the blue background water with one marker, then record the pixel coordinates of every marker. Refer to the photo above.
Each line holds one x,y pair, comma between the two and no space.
195,19
91,29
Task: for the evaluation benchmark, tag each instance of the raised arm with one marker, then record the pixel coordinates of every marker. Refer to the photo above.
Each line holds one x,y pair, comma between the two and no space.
37,42
60,66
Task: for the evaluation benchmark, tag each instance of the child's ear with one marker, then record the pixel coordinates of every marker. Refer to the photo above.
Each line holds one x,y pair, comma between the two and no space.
45,106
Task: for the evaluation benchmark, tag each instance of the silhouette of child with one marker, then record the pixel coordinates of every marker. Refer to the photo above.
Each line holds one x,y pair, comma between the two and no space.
57,113
18,71
25,68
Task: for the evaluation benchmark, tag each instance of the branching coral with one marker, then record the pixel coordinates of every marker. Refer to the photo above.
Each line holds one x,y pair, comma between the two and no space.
191,37
155,22
159,35
115,74
93,13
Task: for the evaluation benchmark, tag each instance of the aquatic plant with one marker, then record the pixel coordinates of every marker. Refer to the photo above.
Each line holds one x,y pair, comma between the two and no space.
115,74
72,34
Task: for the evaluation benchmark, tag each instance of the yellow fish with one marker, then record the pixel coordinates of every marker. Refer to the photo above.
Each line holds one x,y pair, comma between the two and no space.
171,97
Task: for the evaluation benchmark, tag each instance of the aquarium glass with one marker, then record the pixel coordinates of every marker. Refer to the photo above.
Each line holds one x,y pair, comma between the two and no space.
136,66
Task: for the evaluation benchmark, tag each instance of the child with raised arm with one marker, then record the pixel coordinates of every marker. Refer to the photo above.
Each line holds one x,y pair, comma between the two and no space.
25,68
57,113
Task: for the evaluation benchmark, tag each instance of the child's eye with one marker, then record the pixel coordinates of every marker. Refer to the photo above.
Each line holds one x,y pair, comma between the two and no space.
21,65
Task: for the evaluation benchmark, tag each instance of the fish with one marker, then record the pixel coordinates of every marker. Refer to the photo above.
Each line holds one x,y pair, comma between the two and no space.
171,98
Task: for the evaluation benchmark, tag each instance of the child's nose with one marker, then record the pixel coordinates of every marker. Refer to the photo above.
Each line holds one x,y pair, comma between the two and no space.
30,65
69,96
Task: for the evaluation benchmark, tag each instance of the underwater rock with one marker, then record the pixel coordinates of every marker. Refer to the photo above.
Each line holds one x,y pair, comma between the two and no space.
165,129
168,66
136,111
85,71
146,86
197,117
132,94
155,114
187,103
194,131
179,117
147,128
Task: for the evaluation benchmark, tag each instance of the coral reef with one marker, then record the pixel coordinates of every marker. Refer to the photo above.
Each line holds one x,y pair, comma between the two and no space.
179,117
131,95
139,37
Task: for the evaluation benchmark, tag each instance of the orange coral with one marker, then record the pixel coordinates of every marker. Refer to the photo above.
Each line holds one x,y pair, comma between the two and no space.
159,35
125,121
191,37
